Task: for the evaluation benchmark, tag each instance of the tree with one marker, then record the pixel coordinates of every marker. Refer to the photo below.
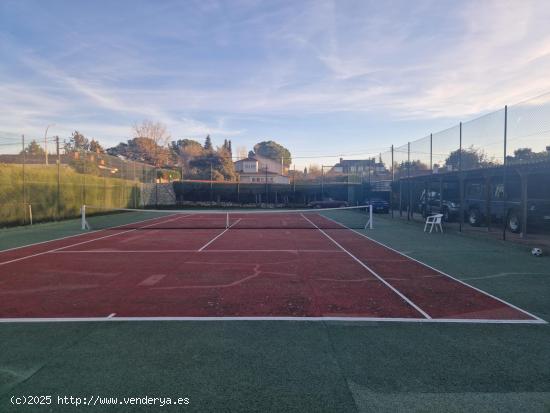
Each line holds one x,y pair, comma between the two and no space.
222,167
96,147
184,151
33,149
413,168
251,154
151,140
143,150
77,143
155,131
273,150
470,158
241,152
208,144
528,155
226,147
314,171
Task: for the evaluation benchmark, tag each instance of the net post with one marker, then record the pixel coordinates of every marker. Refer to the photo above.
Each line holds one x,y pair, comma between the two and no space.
227,220
84,223
30,214
369,222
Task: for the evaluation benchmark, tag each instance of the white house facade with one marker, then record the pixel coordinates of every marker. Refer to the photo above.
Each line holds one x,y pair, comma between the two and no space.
259,170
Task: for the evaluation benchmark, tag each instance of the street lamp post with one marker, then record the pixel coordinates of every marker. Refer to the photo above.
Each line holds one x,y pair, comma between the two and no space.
46,142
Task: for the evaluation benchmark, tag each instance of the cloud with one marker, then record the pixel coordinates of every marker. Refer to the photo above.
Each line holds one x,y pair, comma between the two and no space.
208,69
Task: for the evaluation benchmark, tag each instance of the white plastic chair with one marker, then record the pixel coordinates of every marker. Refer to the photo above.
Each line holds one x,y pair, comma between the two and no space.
434,221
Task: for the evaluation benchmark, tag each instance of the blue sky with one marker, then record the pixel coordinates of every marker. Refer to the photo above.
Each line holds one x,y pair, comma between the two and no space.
320,77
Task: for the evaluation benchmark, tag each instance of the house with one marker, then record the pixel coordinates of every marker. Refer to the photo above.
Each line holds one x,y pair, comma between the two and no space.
362,167
257,169
355,166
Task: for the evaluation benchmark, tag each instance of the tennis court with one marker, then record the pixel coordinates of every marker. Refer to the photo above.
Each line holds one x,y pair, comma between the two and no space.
300,265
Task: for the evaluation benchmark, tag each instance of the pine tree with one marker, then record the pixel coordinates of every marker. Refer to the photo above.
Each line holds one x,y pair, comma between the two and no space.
229,149
208,143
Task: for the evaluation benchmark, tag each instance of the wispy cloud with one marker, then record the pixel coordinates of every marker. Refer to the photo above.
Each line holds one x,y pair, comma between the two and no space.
214,66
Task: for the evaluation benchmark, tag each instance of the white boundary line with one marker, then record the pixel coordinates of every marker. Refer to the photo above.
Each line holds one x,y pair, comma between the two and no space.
336,251
219,235
395,290
439,271
112,318
84,242
81,234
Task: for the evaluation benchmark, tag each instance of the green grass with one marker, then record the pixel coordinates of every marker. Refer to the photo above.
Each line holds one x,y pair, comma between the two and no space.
307,366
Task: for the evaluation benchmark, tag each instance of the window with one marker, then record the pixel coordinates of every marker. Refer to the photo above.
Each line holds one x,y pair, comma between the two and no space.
475,190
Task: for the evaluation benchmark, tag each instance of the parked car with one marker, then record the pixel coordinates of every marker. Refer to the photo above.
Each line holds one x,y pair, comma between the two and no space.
431,203
379,205
482,203
328,203
509,210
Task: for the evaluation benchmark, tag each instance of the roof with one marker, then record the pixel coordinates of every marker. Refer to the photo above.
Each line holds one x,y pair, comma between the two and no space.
260,173
247,159
355,162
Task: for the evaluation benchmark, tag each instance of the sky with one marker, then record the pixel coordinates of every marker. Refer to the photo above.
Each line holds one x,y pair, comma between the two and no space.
324,78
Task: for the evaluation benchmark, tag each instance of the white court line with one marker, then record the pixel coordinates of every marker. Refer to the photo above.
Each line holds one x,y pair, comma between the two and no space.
219,235
111,315
395,290
113,318
334,251
439,271
79,235
85,242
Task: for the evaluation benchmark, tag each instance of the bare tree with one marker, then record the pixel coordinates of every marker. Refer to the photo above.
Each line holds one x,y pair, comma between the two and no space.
153,138
241,152
155,131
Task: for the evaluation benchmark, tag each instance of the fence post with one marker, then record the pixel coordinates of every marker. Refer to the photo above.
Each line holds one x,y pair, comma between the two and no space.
156,188
409,210
428,185
266,188
431,154
294,184
58,161
391,183
460,180
211,186
82,159
23,178
504,173
135,184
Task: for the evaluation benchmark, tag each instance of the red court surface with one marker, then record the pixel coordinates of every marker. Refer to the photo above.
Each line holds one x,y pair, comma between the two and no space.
253,273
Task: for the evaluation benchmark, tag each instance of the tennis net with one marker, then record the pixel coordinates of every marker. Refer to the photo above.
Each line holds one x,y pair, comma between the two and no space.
96,218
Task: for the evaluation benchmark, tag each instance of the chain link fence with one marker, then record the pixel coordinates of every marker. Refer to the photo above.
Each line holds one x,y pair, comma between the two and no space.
490,174
42,181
